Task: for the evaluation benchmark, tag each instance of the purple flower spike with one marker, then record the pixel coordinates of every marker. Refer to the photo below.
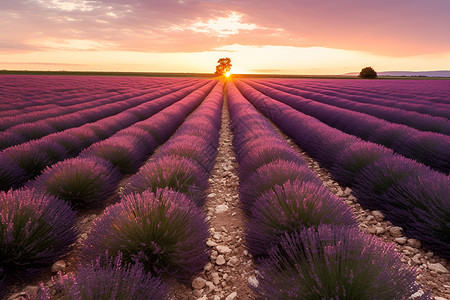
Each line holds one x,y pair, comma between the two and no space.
111,280
335,262
165,232
275,173
83,182
293,205
174,172
350,162
34,231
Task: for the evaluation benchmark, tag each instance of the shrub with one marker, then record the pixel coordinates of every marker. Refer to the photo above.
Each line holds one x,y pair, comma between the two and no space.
266,177
422,207
266,154
176,173
125,153
375,180
112,280
30,158
149,141
83,182
289,207
368,73
34,231
11,175
165,232
351,161
10,138
335,263
72,143
203,154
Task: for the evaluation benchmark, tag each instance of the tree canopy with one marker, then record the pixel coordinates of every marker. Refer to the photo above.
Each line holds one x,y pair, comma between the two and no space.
368,72
224,66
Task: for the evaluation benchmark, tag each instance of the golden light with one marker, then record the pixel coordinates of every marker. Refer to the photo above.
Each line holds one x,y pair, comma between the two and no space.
227,74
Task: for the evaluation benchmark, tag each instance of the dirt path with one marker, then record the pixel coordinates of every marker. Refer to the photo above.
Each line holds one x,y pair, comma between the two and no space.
227,274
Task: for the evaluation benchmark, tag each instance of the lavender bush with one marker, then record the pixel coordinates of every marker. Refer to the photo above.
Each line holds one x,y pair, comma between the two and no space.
11,175
351,161
110,280
335,262
83,182
34,231
289,207
165,232
31,159
176,173
266,177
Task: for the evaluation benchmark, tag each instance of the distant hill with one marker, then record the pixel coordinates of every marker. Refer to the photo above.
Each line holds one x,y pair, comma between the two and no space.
443,73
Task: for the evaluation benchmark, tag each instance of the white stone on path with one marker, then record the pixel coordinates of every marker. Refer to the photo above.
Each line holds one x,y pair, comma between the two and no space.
221,208
231,296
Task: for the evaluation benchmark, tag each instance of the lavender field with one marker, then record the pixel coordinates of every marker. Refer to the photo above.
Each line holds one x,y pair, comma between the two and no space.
116,176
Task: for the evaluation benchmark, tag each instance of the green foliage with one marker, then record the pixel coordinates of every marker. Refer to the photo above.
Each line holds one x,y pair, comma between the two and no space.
368,73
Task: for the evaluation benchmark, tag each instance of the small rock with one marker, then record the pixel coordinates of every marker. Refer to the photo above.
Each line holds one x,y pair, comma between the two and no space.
211,243
223,249
396,231
231,296
203,298
380,230
417,294
439,268
439,298
347,191
400,240
245,252
221,208
216,297
416,259
410,249
59,265
414,243
371,230
378,215
212,195
31,289
215,278
209,287
220,260
216,236
198,283
233,262
208,267
252,281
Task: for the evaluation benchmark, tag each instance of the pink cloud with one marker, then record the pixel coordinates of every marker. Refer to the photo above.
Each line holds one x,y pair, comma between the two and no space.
394,28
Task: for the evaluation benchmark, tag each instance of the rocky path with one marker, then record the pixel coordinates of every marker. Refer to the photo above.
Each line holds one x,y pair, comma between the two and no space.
231,267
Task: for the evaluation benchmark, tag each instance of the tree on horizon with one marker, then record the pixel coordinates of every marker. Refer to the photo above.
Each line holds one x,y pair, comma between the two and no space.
224,66
368,72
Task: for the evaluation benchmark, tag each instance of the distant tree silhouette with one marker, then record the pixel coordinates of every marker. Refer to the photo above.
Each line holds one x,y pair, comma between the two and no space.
368,72
224,65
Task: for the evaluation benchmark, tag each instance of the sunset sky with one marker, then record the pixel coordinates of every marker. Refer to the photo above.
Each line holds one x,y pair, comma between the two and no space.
279,37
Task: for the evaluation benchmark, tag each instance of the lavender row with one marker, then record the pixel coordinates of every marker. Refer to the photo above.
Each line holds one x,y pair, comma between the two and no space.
409,194
306,239
24,93
367,92
431,149
78,104
23,162
410,118
82,182
429,92
28,131
159,224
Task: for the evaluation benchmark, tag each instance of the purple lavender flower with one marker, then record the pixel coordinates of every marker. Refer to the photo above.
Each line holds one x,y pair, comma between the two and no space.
165,232
266,177
34,231
83,182
335,262
291,206
174,172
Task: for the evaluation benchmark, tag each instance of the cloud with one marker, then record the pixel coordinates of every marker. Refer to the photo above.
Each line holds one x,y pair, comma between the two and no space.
384,27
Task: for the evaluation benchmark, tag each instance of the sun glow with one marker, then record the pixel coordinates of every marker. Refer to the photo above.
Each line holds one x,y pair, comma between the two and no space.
227,74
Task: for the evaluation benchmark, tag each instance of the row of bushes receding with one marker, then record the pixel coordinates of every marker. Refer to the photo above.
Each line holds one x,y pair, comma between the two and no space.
80,183
376,107
408,193
429,148
305,238
27,160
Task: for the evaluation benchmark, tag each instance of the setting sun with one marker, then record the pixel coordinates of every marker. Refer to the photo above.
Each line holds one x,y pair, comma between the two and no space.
227,74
